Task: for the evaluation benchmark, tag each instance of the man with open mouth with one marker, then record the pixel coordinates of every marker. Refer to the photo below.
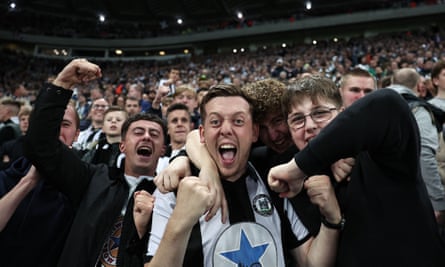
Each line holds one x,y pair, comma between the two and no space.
113,205
258,231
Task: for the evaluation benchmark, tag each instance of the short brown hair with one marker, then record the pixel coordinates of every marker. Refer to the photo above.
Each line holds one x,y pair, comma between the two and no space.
316,87
184,88
437,68
226,90
25,110
132,98
115,108
146,117
178,106
357,72
12,103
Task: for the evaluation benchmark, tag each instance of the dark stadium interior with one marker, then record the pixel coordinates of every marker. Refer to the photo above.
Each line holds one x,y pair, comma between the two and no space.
196,12
42,34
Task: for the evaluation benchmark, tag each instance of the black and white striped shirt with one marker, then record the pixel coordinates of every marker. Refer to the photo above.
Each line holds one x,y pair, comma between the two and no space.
252,237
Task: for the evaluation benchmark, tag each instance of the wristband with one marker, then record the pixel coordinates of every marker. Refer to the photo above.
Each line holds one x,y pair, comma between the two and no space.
337,226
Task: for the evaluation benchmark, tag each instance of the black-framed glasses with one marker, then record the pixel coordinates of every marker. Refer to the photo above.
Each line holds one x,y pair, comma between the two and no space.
318,115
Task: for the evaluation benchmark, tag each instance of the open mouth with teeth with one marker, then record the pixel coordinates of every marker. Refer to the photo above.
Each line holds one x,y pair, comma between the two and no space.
144,151
227,153
279,141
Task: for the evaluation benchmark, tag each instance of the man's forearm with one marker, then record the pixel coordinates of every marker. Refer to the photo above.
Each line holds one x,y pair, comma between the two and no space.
10,202
171,250
44,124
323,248
197,152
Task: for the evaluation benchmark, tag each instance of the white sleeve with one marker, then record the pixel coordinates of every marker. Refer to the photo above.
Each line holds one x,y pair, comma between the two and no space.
164,205
298,228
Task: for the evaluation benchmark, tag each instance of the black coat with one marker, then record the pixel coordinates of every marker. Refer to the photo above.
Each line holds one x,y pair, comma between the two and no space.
97,192
13,149
36,232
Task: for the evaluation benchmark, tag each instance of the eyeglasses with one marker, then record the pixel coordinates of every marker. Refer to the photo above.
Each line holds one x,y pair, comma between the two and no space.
100,106
298,120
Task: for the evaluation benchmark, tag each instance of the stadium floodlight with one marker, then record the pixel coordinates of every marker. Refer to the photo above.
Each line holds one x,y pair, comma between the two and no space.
239,15
102,18
12,6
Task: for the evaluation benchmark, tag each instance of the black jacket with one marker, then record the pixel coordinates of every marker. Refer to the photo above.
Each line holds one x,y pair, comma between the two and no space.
13,149
9,131
103,152
97,192
36,232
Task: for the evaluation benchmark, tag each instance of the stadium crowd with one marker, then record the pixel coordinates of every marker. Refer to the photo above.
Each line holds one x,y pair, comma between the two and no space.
381,55
104,137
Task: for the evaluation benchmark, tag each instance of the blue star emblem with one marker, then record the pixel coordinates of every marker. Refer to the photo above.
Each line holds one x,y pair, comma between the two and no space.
246,255
116,242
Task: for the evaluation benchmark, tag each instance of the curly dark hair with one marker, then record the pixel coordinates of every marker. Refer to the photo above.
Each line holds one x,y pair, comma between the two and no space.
267,95
316,87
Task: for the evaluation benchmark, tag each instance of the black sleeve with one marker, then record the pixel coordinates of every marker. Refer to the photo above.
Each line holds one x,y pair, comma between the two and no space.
380,123
6,150
53,159
155,111
89,155
6,134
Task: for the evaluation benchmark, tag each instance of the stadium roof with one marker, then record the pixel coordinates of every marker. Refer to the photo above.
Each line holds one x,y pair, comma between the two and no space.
159,13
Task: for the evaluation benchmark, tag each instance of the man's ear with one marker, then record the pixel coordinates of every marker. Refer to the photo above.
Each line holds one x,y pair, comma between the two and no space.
122,146
76,135
201,134
255,132
163,149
